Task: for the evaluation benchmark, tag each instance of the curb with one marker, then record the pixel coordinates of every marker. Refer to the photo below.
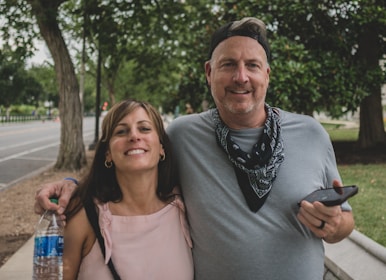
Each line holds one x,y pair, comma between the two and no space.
356,257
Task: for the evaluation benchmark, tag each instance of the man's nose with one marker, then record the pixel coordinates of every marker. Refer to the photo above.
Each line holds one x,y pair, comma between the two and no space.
240,75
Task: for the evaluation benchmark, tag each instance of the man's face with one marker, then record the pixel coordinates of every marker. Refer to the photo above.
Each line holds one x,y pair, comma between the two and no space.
238,75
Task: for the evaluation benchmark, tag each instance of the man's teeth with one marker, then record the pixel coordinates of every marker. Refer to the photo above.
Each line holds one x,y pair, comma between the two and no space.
240,91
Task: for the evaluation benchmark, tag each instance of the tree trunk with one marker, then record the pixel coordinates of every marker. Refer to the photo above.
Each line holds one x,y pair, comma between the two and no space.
72,155
371,128
111,91
371,131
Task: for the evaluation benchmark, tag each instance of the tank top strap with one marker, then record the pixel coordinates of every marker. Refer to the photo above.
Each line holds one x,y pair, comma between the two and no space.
105,220
183,221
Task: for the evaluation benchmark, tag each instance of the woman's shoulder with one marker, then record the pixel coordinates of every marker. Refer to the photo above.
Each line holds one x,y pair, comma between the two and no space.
78,230
79,218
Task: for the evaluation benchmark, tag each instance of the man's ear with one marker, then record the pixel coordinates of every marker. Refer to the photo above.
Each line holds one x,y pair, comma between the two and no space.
208,71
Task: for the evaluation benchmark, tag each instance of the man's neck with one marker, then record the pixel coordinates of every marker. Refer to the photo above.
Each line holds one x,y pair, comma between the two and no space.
244,120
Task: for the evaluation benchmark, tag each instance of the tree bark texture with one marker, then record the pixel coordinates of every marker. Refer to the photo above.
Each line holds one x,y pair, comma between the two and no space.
72,155
371,128
371,132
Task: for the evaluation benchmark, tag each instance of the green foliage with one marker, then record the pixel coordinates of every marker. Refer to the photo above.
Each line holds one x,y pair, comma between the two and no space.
156,50
22,110
45,75
316,64
89,98
295,78
25,110
16,84
17,28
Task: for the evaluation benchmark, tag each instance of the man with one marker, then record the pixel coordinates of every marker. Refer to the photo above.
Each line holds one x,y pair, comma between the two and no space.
244,166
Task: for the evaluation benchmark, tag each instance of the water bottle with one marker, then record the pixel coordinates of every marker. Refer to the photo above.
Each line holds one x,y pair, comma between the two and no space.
48,249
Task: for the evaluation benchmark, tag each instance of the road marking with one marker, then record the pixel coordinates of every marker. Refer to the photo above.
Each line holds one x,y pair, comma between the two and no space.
52,162
85,135
28,152
27,143
13,132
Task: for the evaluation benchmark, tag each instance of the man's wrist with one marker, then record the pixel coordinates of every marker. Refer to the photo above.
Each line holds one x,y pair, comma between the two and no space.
71,179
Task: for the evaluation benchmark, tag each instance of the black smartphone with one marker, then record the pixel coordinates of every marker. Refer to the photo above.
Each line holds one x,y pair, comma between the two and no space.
332,196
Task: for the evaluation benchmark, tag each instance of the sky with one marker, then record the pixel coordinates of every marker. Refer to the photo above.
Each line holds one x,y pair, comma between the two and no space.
41,55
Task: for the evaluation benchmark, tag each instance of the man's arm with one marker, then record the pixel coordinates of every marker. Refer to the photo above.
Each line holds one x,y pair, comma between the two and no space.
338,224
60,189
343,230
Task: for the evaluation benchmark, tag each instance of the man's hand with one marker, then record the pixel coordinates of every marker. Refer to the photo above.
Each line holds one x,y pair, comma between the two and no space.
60,189
330,223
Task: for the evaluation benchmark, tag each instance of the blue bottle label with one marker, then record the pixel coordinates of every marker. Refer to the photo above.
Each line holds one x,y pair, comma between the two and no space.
48,246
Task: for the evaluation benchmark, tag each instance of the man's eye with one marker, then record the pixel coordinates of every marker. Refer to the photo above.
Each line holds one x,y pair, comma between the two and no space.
253,65
228,64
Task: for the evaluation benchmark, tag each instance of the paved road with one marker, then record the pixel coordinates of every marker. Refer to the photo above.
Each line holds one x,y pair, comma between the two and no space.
27,148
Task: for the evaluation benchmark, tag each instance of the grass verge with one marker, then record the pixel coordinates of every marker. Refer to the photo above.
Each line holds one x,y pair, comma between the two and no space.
369,204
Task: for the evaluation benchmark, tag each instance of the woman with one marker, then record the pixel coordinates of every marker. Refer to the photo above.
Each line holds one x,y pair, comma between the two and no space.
141,215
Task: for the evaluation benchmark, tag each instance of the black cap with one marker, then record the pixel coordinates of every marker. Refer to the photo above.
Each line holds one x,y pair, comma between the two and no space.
250,27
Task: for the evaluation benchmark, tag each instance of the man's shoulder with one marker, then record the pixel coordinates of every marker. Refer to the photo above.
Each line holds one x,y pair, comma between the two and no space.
186,121
292,117
299,123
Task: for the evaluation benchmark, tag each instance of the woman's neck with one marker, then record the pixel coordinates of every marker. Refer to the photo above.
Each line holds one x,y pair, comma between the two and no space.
139,196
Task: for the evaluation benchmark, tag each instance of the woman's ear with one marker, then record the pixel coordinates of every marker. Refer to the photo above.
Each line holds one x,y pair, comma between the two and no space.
108,156
162,154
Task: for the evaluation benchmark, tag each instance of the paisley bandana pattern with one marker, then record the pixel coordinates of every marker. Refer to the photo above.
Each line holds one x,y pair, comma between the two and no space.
257,170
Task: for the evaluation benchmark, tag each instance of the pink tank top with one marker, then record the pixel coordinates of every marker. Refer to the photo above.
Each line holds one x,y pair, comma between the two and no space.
156,246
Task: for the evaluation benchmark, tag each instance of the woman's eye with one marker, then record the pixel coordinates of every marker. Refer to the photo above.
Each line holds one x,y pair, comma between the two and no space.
145,129
121,131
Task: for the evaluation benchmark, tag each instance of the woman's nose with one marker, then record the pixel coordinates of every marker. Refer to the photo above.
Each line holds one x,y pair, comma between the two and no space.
133,136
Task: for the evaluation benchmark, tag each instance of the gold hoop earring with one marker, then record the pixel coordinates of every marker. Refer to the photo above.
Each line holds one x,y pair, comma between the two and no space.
162,157
108,164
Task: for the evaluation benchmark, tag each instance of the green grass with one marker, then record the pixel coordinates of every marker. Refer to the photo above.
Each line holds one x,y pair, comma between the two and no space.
343,134
369,205
337,133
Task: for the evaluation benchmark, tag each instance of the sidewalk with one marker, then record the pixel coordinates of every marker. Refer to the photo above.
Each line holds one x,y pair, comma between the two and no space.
356,257
19,266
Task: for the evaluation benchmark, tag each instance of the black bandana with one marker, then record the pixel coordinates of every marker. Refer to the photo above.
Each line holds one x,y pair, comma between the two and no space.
255,171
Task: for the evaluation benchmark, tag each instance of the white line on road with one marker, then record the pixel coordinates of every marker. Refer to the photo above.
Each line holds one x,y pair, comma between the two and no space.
27,143
36,149
28,152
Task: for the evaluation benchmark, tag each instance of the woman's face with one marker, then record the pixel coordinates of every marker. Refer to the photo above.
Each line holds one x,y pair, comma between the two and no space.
135,145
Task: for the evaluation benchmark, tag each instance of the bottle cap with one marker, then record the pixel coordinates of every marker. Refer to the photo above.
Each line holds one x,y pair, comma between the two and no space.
54,200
